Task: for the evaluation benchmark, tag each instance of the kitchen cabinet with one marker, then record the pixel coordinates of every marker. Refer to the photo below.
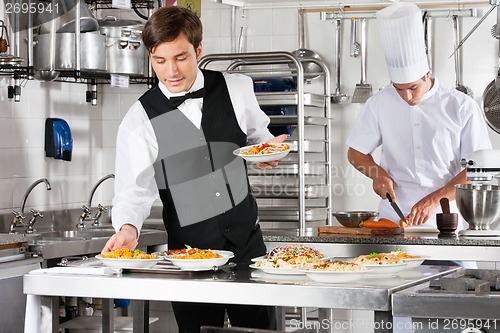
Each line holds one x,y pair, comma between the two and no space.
297,194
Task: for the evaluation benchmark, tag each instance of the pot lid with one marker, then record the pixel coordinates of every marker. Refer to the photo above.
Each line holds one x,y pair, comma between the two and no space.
112,21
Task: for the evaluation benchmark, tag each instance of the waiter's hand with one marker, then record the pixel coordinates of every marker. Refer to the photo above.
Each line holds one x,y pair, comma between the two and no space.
422,210
272,164
125,238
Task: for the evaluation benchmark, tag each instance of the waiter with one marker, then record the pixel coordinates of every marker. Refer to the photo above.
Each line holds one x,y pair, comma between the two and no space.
177,143
423,127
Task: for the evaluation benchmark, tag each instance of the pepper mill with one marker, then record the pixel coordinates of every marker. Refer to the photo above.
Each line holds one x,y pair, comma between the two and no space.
446,222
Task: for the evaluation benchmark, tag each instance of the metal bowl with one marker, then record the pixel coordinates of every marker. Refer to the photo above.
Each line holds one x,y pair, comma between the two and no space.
352,219
478,204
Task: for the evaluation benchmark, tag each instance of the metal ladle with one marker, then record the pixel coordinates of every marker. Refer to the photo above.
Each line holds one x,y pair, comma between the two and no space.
338,97
458,82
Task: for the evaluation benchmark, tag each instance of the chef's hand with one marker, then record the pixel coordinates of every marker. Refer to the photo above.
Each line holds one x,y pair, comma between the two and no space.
422,210
125,238
272,164
383,184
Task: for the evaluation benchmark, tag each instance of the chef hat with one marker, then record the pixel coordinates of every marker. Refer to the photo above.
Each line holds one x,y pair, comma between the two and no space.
402,35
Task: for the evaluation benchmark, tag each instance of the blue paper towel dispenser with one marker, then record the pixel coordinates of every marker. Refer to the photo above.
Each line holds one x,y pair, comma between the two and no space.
58,140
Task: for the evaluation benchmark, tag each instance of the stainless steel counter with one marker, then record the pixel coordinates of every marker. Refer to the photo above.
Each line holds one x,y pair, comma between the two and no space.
241,286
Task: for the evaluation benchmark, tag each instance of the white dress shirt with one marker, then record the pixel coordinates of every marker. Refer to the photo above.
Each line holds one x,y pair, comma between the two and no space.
137,148
422,145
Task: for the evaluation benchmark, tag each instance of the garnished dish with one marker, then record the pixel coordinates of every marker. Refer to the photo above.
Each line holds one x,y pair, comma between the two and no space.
125,258
194,259
412,261
288,259
264,152
381,263
336,271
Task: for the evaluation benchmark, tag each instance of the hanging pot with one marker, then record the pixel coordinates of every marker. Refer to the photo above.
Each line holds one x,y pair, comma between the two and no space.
64,18
92,57
125,51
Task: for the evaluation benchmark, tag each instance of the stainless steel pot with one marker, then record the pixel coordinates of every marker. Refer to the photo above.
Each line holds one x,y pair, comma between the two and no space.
125,51
92,55
65,18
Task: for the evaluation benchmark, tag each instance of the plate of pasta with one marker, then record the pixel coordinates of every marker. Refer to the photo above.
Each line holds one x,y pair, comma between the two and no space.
288,259
125,258
264,152
194,259
336,271
381,263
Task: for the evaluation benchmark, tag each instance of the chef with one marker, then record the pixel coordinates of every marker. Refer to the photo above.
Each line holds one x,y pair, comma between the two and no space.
176,143
423,127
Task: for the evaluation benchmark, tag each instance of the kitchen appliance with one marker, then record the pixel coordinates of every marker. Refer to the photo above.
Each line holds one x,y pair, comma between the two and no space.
479,202
463,302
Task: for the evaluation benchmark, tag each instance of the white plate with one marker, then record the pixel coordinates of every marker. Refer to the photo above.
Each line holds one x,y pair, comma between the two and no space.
128,263
263,157
335,277
387,269
415,262
280,271
201,264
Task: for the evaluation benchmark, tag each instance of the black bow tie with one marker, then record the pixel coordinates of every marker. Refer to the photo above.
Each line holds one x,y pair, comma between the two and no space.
178,100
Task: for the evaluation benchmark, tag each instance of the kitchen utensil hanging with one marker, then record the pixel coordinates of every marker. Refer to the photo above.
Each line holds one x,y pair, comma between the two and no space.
338,97
491,95
427,21
363,90
4,39
354,52
458,63
311,69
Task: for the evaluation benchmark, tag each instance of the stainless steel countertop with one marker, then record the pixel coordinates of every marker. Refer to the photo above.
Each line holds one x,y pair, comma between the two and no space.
241,286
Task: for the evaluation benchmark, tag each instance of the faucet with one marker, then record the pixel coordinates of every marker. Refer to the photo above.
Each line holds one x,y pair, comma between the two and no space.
19,216
87,209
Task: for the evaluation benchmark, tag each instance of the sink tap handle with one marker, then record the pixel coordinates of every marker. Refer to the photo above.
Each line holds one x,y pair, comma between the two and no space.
85,214
31,223
18,218
101,209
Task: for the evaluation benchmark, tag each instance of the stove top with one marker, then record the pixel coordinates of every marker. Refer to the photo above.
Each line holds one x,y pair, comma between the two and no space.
472,281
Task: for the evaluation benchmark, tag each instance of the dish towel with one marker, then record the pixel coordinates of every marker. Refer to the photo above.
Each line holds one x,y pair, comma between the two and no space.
35,311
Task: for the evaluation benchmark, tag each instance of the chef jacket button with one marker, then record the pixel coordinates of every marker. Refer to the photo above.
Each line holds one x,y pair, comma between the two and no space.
226,230
417,124
217,194
212,176
418,147
207,158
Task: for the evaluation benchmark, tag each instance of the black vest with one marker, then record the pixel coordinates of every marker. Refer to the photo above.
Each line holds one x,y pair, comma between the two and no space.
203,186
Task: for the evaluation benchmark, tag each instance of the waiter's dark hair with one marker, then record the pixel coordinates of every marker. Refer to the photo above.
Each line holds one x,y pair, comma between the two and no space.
167,23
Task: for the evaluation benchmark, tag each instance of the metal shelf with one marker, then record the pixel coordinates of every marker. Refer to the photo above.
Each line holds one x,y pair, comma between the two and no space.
289,98
293,120
290,191
290,214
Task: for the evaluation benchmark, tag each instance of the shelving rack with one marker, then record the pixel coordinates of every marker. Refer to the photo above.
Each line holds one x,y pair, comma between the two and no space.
304,197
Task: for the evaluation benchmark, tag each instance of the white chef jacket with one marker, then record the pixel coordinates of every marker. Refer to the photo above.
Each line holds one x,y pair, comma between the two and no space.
422,145
137,148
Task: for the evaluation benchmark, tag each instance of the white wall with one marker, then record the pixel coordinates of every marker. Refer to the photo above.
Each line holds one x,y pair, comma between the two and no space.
273,28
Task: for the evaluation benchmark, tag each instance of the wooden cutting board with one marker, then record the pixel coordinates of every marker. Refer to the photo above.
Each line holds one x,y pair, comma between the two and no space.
360,231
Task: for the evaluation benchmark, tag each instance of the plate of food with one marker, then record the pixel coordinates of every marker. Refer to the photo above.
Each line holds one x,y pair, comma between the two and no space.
277,270
125,258
381,263
336,271
264,152
289,257
413,261
194,259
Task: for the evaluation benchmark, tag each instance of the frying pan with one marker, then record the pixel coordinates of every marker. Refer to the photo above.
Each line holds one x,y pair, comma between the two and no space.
311,69
491,96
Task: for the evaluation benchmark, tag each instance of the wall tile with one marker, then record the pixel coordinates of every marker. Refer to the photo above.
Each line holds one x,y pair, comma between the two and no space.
6,188
211,23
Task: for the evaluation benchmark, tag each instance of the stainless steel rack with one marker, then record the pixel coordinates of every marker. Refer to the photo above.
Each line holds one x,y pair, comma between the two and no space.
297,193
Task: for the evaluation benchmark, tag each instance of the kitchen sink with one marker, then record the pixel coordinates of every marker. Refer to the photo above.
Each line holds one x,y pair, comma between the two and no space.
78,234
